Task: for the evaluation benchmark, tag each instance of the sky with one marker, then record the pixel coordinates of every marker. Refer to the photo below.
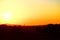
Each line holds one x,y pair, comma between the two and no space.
30,12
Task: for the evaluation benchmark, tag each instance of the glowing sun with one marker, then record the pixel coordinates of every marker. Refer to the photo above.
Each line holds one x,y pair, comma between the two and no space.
7,16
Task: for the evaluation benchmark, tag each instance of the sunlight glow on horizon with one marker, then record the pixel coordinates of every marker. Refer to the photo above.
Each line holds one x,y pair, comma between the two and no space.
29,12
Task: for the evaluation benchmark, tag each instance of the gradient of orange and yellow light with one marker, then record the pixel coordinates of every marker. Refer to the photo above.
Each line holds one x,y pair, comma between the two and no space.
30,12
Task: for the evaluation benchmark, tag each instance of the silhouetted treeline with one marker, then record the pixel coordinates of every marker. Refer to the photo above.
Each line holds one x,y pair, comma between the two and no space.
17,32
51,29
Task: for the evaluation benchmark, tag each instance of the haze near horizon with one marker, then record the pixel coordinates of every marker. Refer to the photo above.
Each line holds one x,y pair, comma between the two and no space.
30,12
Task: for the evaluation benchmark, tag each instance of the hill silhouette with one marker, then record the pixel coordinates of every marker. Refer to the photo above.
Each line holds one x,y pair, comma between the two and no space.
18,32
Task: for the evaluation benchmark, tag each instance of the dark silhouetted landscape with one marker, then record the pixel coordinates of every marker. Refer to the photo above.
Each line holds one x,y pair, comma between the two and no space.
39,32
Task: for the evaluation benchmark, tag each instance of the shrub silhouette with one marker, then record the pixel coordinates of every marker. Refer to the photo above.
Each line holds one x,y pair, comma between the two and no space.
20,32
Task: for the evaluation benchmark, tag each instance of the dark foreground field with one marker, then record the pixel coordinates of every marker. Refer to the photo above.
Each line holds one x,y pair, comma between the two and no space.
17,32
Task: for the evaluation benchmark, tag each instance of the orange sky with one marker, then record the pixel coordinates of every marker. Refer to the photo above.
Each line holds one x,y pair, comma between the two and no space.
29,12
